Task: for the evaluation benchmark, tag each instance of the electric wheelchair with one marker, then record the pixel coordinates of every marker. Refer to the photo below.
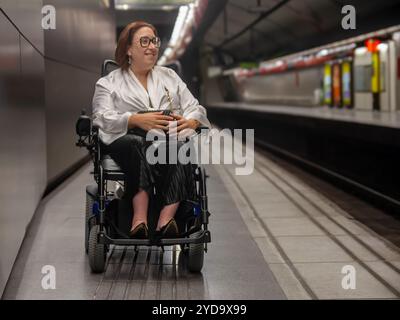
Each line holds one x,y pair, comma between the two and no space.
108,216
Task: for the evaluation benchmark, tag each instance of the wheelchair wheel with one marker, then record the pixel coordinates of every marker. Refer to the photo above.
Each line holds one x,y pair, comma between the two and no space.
97,252
88,224
195,255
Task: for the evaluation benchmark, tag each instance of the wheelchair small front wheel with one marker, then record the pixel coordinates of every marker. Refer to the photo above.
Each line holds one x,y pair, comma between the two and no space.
97,252
195,254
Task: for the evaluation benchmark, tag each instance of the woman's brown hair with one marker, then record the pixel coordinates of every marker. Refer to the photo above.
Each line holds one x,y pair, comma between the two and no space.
125,40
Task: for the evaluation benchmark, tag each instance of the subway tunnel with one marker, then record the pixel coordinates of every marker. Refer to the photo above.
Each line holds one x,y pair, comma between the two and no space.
296,108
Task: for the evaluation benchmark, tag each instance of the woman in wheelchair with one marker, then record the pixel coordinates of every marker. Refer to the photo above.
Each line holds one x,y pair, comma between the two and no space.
119,102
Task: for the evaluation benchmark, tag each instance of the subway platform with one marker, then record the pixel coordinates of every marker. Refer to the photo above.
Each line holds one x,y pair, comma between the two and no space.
279,233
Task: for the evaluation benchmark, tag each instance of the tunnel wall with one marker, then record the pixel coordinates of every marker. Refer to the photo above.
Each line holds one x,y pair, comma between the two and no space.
292,88
46,78
297,88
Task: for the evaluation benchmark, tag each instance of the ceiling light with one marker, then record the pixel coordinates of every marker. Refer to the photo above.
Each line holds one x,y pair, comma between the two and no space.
179,23
165,5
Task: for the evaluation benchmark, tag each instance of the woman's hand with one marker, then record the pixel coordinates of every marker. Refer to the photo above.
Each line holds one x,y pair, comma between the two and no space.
150,120
183,123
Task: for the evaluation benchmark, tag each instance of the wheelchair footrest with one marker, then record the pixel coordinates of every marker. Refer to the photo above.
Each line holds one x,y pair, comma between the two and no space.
203,237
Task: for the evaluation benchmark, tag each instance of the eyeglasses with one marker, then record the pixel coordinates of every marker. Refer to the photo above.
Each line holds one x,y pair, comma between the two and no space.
145,42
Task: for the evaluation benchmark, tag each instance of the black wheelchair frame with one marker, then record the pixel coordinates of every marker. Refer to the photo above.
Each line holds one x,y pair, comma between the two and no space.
193,240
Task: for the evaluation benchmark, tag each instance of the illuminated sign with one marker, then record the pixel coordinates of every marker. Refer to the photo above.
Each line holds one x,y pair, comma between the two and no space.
372,45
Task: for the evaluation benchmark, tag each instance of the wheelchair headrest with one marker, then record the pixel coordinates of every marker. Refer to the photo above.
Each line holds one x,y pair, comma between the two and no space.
108,66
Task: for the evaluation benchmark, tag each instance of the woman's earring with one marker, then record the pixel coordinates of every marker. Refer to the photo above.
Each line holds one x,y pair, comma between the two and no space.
129,60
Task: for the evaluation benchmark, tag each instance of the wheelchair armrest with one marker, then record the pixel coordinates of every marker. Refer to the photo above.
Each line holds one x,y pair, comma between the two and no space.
83,125
86,131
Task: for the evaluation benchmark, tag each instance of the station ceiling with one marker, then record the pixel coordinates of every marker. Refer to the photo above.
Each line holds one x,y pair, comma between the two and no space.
291,26
256,30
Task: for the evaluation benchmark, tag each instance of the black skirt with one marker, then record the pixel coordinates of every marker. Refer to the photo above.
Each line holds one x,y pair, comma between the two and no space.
172,182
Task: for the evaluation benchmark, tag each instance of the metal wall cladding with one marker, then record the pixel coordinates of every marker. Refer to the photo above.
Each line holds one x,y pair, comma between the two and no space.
23,140
85,35
27,16
46,78
68,91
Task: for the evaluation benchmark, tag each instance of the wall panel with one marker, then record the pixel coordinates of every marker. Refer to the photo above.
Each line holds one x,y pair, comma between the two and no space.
46,78
22,143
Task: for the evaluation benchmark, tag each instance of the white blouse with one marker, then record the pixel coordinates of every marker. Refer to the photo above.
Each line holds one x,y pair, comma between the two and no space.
120,94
